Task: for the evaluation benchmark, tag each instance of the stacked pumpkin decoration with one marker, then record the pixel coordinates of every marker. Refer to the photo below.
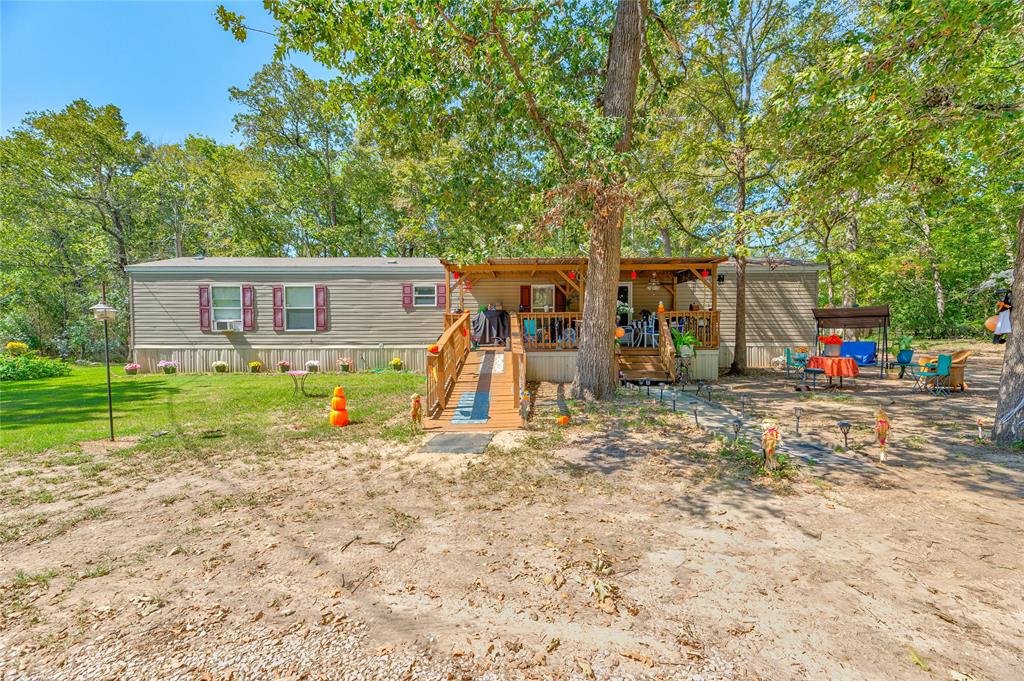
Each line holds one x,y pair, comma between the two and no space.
339,408
563,420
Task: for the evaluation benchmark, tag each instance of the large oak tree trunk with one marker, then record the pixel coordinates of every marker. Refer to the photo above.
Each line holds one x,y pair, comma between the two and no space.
596,372
1009,424
739,357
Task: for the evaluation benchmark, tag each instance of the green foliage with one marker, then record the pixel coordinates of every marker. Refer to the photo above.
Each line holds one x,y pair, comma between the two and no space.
26,367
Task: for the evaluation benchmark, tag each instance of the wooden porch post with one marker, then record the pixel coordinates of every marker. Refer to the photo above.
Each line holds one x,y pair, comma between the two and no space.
448,289
714,286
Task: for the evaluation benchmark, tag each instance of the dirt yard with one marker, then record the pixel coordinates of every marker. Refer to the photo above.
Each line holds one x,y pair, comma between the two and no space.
628,545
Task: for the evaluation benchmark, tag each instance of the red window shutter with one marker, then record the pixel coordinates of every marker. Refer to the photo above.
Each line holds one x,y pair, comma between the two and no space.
442,296
321,307
205,311
278,308
559,300
406,294
248,310
524,298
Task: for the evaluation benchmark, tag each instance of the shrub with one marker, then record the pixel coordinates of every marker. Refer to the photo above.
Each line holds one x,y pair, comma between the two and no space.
26,367
220,366
16,348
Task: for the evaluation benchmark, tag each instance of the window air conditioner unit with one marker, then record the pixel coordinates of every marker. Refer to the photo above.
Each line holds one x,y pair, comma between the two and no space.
225,325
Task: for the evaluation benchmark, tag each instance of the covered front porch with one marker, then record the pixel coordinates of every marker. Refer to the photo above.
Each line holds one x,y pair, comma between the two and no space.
510,321
547,294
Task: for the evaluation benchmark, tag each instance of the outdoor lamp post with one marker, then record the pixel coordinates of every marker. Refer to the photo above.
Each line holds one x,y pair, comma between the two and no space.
105,313
796,412
844,428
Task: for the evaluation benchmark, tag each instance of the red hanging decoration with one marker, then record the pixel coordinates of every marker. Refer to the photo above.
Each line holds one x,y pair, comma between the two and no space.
704,274
632,275
572,275
456,275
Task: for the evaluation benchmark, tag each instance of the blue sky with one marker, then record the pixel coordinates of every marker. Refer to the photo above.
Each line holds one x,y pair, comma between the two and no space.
168,65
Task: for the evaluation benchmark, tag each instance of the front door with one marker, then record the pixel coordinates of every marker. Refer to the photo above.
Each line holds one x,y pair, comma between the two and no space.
542,298
624,296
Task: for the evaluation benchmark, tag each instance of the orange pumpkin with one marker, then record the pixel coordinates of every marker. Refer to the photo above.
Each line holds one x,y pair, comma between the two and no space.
338,404
339,391
563,420
339,418
433,349
620,332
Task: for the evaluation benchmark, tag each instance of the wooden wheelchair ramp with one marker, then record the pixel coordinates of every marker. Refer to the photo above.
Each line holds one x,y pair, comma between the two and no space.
482,397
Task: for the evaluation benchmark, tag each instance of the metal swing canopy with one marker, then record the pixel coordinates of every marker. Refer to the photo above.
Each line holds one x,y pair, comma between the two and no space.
874,317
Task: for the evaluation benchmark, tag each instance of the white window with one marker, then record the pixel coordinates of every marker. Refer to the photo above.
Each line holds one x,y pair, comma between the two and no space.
299,308
424,295
542,298
226,302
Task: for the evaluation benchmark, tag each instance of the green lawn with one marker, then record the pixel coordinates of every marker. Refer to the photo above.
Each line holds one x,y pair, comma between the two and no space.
198,410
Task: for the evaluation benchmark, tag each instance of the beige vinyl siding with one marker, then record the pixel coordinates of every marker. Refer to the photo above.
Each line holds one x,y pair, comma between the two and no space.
780,306
504,292
361,311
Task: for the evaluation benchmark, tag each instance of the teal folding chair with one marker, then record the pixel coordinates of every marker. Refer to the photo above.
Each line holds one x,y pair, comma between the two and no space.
795,362
934,377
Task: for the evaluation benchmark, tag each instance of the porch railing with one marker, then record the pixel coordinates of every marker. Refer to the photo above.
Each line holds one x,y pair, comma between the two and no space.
702,323
518,353
444,366
551,330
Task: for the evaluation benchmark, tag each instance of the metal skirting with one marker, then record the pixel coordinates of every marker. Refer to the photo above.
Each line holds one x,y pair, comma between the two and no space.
201,359
553,366
759,355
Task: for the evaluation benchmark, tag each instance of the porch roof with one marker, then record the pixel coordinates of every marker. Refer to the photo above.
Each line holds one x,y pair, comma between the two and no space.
507,266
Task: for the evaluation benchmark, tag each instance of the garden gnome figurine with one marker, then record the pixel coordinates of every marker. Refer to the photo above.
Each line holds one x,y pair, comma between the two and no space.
417,412
882,431
770,441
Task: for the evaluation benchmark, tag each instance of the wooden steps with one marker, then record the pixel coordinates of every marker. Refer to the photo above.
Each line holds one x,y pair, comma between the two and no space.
504,410
637,364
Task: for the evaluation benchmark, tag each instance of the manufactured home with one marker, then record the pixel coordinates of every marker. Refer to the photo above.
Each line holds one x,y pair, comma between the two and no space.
199,310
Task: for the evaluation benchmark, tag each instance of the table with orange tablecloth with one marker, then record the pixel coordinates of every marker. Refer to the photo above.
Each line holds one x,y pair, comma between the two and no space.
834,366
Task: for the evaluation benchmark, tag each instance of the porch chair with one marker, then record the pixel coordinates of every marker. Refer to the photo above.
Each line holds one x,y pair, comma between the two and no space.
795,362
930,377
529,331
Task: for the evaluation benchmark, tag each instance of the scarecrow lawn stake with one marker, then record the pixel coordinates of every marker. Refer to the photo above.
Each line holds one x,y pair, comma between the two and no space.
882,431
416,412
770,441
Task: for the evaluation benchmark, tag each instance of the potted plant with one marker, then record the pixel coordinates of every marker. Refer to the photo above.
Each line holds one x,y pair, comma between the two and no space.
255,366
168,366
433,348
345,365
220,366
832,345
312,366
132,368
396,363
284,366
